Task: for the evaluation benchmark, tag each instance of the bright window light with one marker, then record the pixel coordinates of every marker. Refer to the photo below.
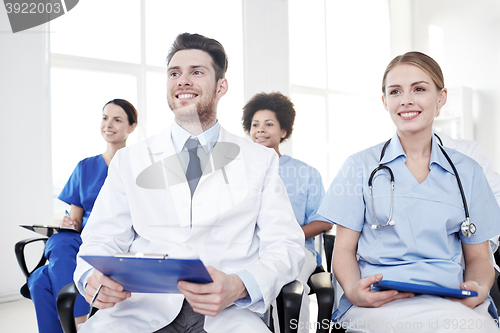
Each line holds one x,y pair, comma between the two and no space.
77,101
358,44
159,113
309,127
161,30
107,30
338,54
307,43
436,43
97,56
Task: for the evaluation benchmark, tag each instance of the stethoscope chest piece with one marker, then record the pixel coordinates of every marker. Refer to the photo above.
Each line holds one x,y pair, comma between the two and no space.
468,228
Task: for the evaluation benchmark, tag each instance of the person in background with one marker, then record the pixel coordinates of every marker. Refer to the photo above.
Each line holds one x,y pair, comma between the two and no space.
119,119
400,216
268,118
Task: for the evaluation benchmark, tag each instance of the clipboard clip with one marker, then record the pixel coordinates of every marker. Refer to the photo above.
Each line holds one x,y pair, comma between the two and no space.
141,255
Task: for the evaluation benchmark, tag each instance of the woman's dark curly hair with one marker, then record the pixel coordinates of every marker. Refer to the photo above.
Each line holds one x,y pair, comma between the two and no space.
276,102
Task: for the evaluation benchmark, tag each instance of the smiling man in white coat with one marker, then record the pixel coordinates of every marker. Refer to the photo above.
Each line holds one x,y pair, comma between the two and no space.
194,190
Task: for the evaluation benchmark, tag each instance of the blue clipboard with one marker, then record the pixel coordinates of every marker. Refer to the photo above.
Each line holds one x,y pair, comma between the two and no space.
150,275
423,289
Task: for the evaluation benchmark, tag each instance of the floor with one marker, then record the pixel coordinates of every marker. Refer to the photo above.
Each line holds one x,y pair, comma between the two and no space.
18,317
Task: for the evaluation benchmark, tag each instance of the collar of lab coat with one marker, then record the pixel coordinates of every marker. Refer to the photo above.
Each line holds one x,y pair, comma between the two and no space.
224,152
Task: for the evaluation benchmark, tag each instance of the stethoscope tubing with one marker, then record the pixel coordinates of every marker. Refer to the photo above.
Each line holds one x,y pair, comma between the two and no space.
458,182
384,167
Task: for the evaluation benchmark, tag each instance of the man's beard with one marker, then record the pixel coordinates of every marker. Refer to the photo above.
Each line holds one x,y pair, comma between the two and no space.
202,112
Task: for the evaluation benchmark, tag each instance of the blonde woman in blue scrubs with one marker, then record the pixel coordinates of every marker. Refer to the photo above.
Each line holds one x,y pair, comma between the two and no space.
423,244
268,118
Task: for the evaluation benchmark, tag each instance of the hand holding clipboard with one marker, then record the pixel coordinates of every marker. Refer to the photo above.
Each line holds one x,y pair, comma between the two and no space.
150,273
115,277
160,274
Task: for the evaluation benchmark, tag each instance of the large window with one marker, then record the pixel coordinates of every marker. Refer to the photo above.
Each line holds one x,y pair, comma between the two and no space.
103,50
336,67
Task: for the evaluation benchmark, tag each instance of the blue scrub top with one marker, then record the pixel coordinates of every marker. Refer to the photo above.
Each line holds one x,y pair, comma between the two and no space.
424,244
84,184
305,189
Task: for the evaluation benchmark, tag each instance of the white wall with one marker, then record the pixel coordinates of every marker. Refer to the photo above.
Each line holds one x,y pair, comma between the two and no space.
471,58
25,168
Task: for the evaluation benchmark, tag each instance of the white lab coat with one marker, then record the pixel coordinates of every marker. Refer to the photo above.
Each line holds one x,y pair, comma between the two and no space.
244,224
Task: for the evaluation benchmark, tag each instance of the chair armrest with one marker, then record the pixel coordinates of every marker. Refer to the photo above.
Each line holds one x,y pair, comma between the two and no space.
21,259
322,284
66,306
288,304
495,289
328,240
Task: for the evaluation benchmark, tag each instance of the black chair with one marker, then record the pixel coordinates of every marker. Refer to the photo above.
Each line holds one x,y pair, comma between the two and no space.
21,260
328,242
66,306
288,304
321,284
495,289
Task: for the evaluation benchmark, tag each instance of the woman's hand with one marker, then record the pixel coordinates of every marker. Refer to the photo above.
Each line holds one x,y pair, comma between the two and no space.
479,273
472,302
74,220
346,268
68,223
362,296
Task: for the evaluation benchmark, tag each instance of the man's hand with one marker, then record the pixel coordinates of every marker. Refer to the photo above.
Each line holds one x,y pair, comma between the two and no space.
211,298
111,292
362,296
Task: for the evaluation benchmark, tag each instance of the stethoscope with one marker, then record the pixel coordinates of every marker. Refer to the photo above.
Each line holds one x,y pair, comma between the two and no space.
467,228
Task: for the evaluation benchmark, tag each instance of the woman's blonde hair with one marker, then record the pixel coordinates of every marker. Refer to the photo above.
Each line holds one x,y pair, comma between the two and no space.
422,61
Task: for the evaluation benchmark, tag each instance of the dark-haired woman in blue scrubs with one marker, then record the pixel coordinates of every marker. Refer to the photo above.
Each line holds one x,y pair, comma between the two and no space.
119,119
